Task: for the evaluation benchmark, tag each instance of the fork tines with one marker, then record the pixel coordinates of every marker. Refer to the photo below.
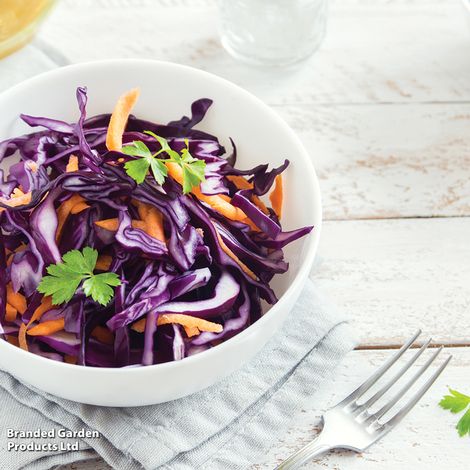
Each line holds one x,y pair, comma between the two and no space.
362,411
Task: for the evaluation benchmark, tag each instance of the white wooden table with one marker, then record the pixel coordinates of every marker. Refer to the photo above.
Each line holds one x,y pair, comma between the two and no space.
384,108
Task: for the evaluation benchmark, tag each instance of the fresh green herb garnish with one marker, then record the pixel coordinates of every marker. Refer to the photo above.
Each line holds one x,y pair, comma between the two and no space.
455,403
77,268
193,168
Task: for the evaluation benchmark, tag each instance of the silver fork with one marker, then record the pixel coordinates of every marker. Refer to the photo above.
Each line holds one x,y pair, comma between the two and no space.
352,425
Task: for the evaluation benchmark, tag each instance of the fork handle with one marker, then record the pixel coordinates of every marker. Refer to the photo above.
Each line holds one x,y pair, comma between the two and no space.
318,446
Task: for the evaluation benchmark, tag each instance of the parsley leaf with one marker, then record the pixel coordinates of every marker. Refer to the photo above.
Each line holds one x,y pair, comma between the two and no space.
137,149
193,168
77,267
159,170
455,403
99,287
137,169
463,426
165,146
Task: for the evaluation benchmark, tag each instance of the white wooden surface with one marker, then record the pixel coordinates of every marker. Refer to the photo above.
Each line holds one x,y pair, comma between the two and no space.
384,108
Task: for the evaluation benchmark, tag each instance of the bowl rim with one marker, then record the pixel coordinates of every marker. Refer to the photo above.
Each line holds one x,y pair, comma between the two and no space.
312,240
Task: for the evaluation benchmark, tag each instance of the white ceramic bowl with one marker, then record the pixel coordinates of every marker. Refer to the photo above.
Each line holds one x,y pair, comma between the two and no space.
167,91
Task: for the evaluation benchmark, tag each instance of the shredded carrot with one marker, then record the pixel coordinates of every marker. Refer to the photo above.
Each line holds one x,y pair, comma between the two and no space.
154,224
12,340
153,219
16,300
72,165
218,203
113,224
77,208
18,192
64,211
240,182
11,313
22,337
33,166
44,306
191,331
142,208
103,334
251,224
70,359
47,328
276,196
185,320
261,205
17,198
103,262
235,258
119,118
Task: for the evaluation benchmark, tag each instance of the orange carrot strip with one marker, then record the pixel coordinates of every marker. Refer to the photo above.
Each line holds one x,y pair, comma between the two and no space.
153,219
235,258
16,300
185,320
12,340
70,359
18,198
218,203
22,337
72,165
103,334
77,208
33,166
103,262
113,224
17,192
142,208
154,223
108,224
64,211
261,205
119,118
277,195
47,328
240,182
44,306
191,331
11,312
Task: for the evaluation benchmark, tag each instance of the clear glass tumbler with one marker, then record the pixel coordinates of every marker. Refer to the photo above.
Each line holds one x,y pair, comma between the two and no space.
272,32
19,20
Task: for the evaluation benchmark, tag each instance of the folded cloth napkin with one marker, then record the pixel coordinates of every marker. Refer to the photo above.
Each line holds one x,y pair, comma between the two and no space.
227,426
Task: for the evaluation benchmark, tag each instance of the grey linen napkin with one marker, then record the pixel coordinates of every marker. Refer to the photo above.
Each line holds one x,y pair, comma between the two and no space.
227,426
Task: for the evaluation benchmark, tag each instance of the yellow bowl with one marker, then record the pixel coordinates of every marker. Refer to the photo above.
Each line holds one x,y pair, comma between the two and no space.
19,20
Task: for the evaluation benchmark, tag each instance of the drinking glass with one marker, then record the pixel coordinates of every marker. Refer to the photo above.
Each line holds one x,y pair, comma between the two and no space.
19,20
272,32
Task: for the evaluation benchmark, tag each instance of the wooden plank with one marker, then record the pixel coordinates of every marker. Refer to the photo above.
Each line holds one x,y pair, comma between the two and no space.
423,439
381,161
395,276
382,51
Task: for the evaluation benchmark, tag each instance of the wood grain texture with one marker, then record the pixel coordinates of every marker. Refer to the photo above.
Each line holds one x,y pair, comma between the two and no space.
421,441
395,276
382,161
375,52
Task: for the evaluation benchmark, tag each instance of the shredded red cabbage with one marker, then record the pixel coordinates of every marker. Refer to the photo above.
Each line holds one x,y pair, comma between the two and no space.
208,266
